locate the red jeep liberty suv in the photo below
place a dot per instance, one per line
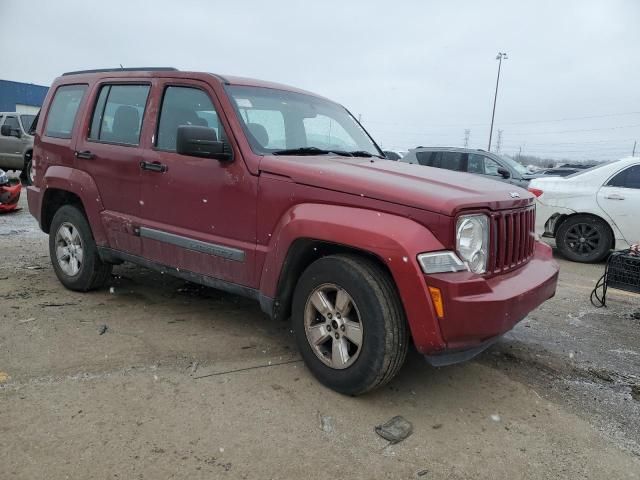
(280, 195)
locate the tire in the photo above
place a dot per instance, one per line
(584, 238)
(70, 229)
(26, 174)
(371, 302)
(28, 170)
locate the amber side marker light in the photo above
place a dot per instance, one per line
(438, 303)
(536, 191)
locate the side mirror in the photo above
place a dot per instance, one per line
(7, 131)
(197, 141)
(504, 173)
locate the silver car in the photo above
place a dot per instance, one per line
(16, 144)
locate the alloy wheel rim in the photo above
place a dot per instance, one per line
(31, 173)
(333, 326)
(69, 249)
(583, 239)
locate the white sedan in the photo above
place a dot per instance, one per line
(592, 211)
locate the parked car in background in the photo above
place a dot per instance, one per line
(394, 154)
(592, 211)
(480, 162)
(16, 143)
(194, 174)
(552, 172)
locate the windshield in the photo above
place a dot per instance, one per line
(283, 121)
(27, 120)
(515, 165)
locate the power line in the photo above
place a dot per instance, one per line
(522, 122)
(619, 127)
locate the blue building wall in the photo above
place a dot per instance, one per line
(12, 93)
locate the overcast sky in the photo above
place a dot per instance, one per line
(419, 72)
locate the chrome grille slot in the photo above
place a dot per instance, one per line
(513, 234)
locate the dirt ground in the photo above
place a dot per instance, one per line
(189, 382)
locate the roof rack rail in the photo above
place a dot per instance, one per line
(129, 69)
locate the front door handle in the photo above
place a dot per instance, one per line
(85, 155)
(153, 167)
(614, 196)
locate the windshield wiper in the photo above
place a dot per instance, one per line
(310, 151)
(320, 151)
(363, 153)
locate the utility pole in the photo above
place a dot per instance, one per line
(633, 154)
(499, 57)
(467, 134)
(499, 142)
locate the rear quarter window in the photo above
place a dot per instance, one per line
(63, 111)
(628, 178)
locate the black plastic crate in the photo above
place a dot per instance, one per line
(623, 272)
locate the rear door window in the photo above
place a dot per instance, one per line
(63, 111)
(453, 161)
(118, 114)
(428, 159)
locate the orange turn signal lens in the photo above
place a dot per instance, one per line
(438, 302)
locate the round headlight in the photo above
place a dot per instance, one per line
(472, 241)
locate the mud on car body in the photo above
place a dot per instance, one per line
(280, 195)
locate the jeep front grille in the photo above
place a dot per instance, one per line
(512, 238)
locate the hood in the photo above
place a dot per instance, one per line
(426, 188)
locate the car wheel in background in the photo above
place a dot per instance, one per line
(584, 238)
(28, 167)
(26, 174)
(73, 251)
(349, 323)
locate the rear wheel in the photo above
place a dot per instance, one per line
(73, 251)
(584, 238)
(349, 323)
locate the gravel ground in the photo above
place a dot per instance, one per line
(189, 382)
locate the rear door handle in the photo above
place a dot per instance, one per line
(614, 196)
(85, 155)
(153, 167)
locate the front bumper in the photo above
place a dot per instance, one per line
(479, 309)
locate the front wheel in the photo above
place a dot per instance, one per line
(27, 174)
(349, 323)
(73, 251)
(584, 238)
